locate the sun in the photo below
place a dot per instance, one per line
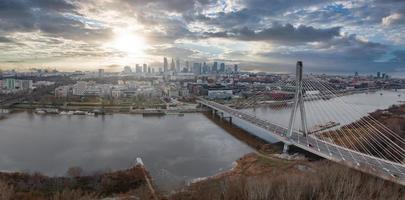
(129, 42)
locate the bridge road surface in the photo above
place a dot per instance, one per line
(379, 167)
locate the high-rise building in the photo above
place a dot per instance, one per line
(100, 73)
(138, 68)
(145, 68)
(235, 68)
(10, 84)
(187, 67)
(26, 84)
(149, 70)
(172, 65)
(222, 68)
(378, 74)
(178, 67)
(197, 68)
(214, 68)
(165, 65)
(205, 68)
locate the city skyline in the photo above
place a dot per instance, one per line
(257, 35)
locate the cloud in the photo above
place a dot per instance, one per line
(346, 53)
(57, 18)
(174, 52)
(280, 33)
(5, 40)
(392, 19)
(329, 35)
(399, 57)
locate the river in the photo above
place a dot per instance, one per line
(174, 149)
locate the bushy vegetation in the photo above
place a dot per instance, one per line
(37, 187)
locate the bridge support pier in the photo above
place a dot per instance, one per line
(214, 112)
(286, 148)
(229, 119)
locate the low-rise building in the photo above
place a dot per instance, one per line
(62, 91)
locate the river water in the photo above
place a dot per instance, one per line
(174, 149)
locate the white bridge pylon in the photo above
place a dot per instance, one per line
(298, 102)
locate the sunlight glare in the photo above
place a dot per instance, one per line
(130, 43)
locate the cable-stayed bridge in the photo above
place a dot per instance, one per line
(329, 128)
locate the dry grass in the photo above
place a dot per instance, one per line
(359, 136)
(6, 191)
(330, 181)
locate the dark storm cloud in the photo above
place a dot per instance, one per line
(281, 33)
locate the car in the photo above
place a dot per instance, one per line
(310, 145)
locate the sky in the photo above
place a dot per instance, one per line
(258, 35)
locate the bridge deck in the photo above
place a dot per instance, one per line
(367, 163)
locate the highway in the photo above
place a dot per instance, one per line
(379, 167)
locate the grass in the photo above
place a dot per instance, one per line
(325, 181)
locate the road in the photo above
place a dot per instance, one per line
(367, 163)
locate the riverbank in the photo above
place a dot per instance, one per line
(98, 108)
(392, 118)
(129, 183)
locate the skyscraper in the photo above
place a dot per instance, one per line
(165, 64)
(145, 68)
(172, 66)
(187, 67)
(138, 68)
(205, 68)
(222, 68)
(214, 68)
(178, 67)
(100, 73)
(235, 68)
(197, 68)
